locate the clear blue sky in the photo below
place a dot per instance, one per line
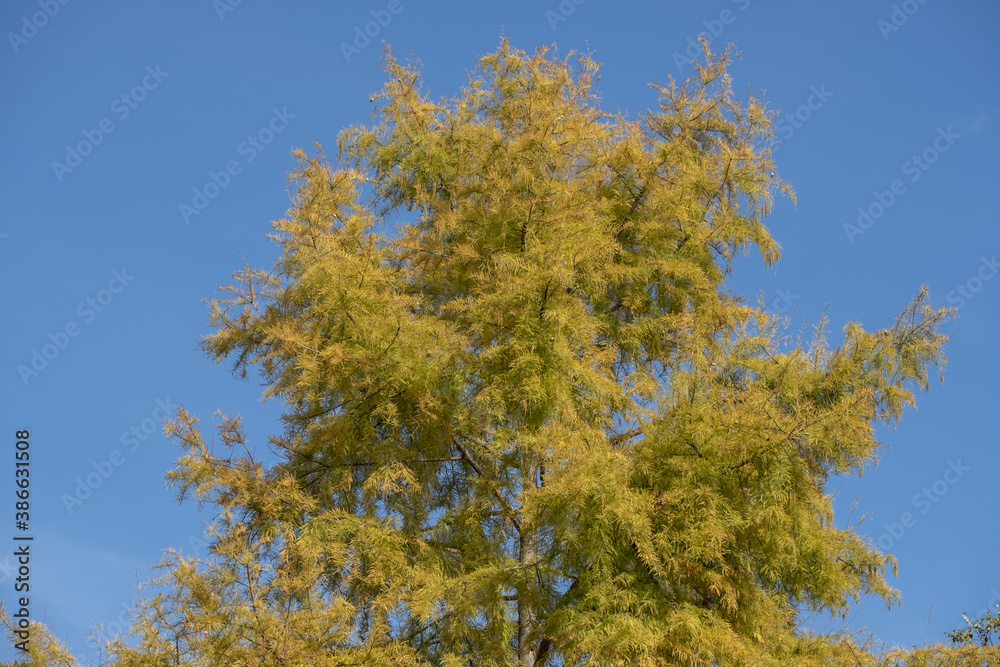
(153, 97)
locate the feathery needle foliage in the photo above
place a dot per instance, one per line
(525, 422)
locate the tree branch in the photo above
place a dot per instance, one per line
(479, 471)
(624, 437)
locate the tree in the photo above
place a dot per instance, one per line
(35, 643)
(530, 425)
(984, 631)
(971, 647)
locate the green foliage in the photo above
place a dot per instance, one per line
(983, 631)
(529, 424)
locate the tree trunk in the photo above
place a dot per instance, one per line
(526, 620)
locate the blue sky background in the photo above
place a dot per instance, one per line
(888, 92)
